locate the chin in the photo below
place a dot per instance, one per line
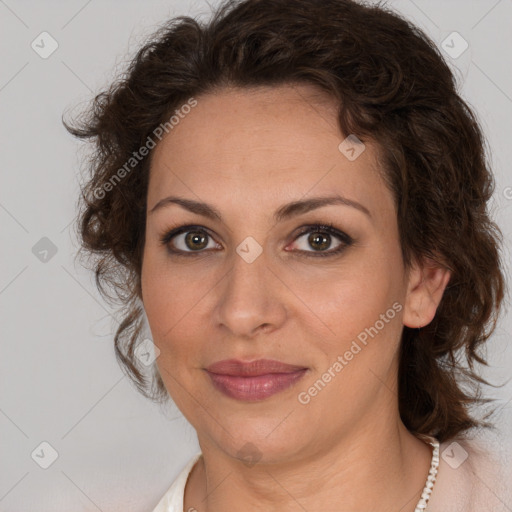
(260, 440)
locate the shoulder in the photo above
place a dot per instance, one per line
(172, 500)
(475, 473)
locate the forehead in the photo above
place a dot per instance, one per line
(264, 145)
(252, 116)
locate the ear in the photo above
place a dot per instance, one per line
(427, 281)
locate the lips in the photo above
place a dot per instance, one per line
(237, 368)
(255, 380)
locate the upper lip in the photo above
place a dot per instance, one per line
(238, 368)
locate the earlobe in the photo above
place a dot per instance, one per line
(426, 285)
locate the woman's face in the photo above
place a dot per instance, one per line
(253, 285)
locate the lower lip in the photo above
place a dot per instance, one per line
(255, 388)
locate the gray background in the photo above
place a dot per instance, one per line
(59, 380)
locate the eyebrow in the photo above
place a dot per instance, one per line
(284, 212)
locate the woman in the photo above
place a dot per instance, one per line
(294, 197)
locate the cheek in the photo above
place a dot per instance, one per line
(169, 316)
(164, 291)
(362, 304)
(356, 356)
(174, 304)
(159, 301)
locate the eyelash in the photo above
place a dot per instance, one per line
(328, 229)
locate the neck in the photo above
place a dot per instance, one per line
(381, 468)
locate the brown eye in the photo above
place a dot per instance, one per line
(196, 240)
(319, 241)
(320, 238)
(187, 240)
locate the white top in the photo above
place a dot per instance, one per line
(172, 501)
(473, 476)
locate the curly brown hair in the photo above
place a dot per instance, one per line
(391, 86)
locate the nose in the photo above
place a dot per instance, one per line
(251, 299)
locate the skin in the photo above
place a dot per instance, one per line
(248, 152)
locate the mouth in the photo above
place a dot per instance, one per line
(253, 381)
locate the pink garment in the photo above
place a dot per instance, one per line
(475, 475)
